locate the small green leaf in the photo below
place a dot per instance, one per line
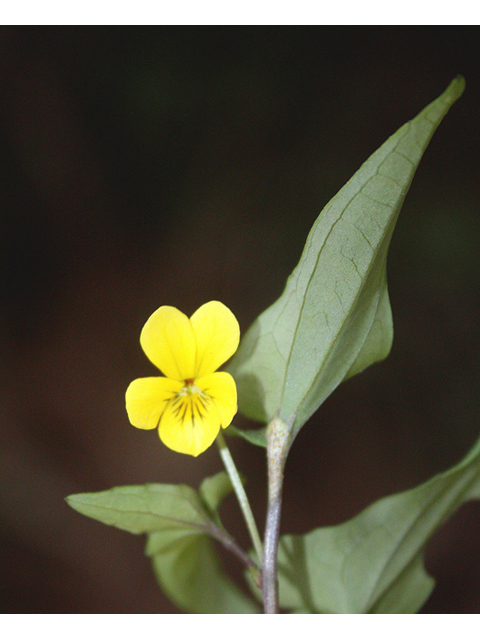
(333, 318)
(146, 508)
(213, 490)
(254, 436)
(189, 571)
(374, 562)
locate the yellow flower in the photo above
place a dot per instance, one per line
(193, 400)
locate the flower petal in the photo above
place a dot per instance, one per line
(222, 390)
(169, 342)
(217, 335)
(189, 424)
(146, 399)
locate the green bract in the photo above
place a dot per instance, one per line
(333, 318)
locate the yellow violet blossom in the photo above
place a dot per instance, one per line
(193, 400)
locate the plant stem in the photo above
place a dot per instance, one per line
(241, 495)
(277, 449)
(230, 543)
(269, 568)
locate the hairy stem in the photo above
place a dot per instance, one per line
(277, 449)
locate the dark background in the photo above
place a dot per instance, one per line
(149, 166)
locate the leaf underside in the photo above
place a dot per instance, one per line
(334, 318)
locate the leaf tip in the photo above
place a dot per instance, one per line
(456, 88)
(72, 501)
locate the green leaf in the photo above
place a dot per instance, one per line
(180, 522)
(374, 562)
(254, 436)
(213, 490)
(333, 318)
(189, 571)
(143, 509)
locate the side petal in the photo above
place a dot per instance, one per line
(169, 342)
(217, 336)
(189, 424)
(146, 399)
(220, 387)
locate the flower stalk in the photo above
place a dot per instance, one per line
(241, 495)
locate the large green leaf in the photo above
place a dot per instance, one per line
(374, 562)
(189, 571)
(333, 318)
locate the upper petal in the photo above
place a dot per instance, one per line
(217, 336)
(169, 342)
(146, 399)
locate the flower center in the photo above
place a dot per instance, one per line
(190, 388)
(190, 404)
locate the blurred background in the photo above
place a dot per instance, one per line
(150, 166)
